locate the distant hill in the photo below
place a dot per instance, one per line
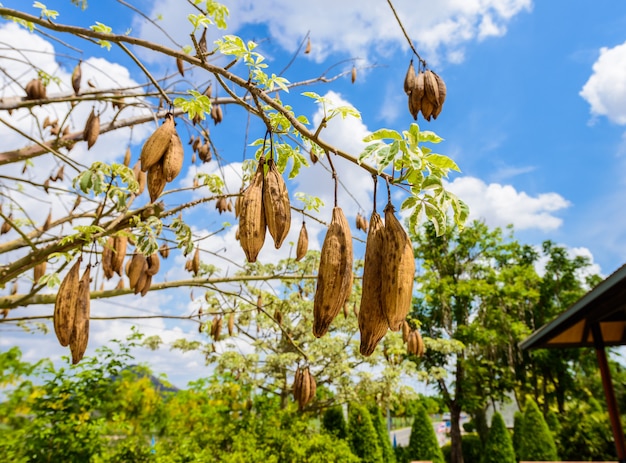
(142, 372)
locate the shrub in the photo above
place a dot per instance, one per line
(499, 446)
(518, 418)
(423, 443)
(383, 434)
(536, 442)
(334, 422)
(362, 435)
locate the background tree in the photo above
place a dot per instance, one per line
(499, 446)
(334, 422)
(383, 434)
(423, 443)
(535, 442)
(362, 435)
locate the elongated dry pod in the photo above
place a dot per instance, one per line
(431, 88)
(120, 243)
(334, 278)
(372, 319)
(252, 223)
(38, 271)
(107, 258)
(398, 270)
(92, 129)
(276, 204)
(303, 243)
(441, 85)
(156, 181)
(80, 332)
(409, 79)
(76, 77)
(157, 144)
(65, 304)
(173, 158)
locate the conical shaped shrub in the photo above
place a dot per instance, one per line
(536, 442)
(499, 445)
(423, 443)
(384, 440)
(362, 436)
(334, 422)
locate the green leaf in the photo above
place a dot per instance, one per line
(430, 137)
(442, 162)
(383, 134)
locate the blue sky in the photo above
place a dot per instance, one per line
(535, 114)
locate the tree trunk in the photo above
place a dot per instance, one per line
(456, 454)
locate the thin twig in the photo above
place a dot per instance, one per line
(408, 39)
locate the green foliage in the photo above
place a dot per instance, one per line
(499, 446)
(334, 422)
(383, 434)
(471, 448)
(536, 442)
(362, 435)
(518, 419)
(423, 443)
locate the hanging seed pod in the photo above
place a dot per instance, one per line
(417, 95)
(120, 284)
(66, 303)
(353, 74)
(60, 174)
(313, 157)
(76, 77)
(92, 129)
(180, 66)
(216, 114)
(156, 181)
(48, 222)
(195, 262)
(6, 225)
(204, 152)
(173, 158)
(164, 250)
(398, 270)
(307, 49)
(406, 330)
(441, 86)
(297, 384)
(141, 282)
(421, 348)
(202, 45)
(189, 265)
(35, 90)
(259, 303)
(208, 90)
(334, 279)
(278, 316)
(409, 79)
(305, 389)
(153, 264)
(136, 269)
(38, 271)
(372, 320)
(252, 216)
(120, 243)
(231, 323)
(238, 201)
(221, 204)
(431, 88)
(80, 332)
(303, 243)
(276, 205)
(107, 258)
(216, 328)
(46, 122)
(127, 157)
(146, 285)
(157, 144)
(193, 157)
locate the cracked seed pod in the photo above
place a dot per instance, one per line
(195, 145)
(231, 323)
(411, 344)
(216, 114)
(276, 205)
(92, 129)
(38, 271)
(398, 270)
(120, 243)
(157, 144)
(127, 157)
(297, 384)
(173, 158)
(406, 330)
(409, 79)
(180, 66)
(431, 88)
(372, 320)
(421, 348)
(136, 269)
(153, 264)
(195, 262)
(303, 243)
(164, 251)
(204, 152)
(156, 181)
(252, 216)
(76, 77)
(107, 258)
(216, 328)
(65, 304)
(334, 278)
(80, 331)
(146, 285)
(441, 85)
(221, 204)
(417, 95)
(35, 90)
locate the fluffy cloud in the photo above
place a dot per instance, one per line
(605, 91)
(501, 205)
(338, 27)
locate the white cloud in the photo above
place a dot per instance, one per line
(354, 29)
(605, 91)
(501, 205)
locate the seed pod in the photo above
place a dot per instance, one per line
(141, 282)
(127, 157)
(164, 250)
(252, 216)
(420, 344)
(307, 50)
(372, 320)
(92, 129)
(66, 303)
(406, 330)
(259, 303)
(238, 204)
(140, 176)
(153, 264)
(417, 95)
(195, 262)
(313, 157)
(157, 144)
(216, 114)
(411, 344)
(180, 66)
(305, 389)
(231, 323)
(216, 328)
(76, 76)
(120, 243)
(35, 90)
(156, 181)
(6, 225)
(107, 258)
(353, 74)
(297, 384)
(38, 271)
(398, 270)
(278, 316)
(60, 174)
(409, 79)
(221, 204)
(442, 95)
(427, 108)
(303, 243)
(276, 205)
(312, 387)
(204, 152)
(120, 284)
(173, 158)
(334, 279)
(80, 332)
(137, 268)
(48, 222)
(146, 285)
(431, 88)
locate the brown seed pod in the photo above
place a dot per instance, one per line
(146, 285)
(164, 250)
(406, 330)
(76, 77)
(127, 157)
(153, 264)
(66, 303)
(6, 225)
(417, 95)
(80, 332)
(307, 49)
(35, 90)
(173, 158)
(92, 129)
(60, 174)
(38, 271)
(157, 144)
(231, 323)
(372, 320)
(140, 176)
(216, 114)
(313, 157)
(156, 181)
(303, 243)
(276, 205)
(252, 216)
(431, 88)
(398, 270)
(411, 343)
(180, 66)
(136, 269)
(204, 152)
(427, 108)
(442, 95)
(297, 384)
(305, 389)
(353, 74)
(409, 79)
(421, 349)
(120, 284)
(312, 387)
(107, 258)
(48, 222)
(120, 243)
(278, 316)
(216, 328)
(221, 204)
(259, 303)
(141, 282)
(334, 279)
(195, 262)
